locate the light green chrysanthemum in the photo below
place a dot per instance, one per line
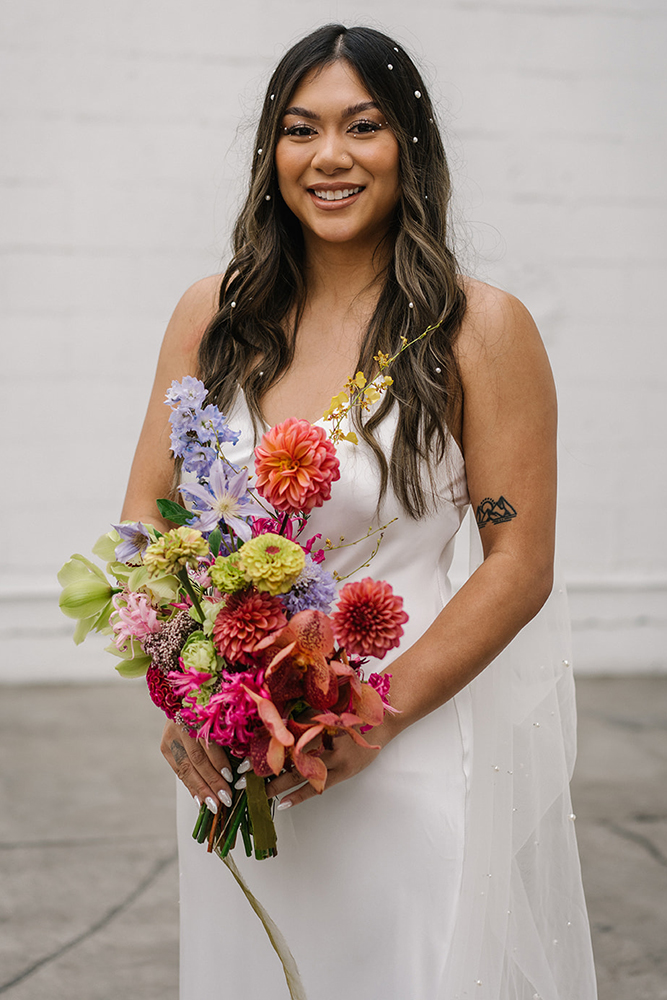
(226, 574)
(272, 562)
(179, 548)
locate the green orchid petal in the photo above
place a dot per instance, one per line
(85, 598)
(162, 588)
(77, 568)
(83, 627)
(105, 546)
(121, 571)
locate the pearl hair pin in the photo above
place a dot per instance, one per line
(259, 151)
(415, 139)
(272, 96)
(389, 66)
(418, 93)
(438, 370)
(267, 197)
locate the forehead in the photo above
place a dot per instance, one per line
(330, 88)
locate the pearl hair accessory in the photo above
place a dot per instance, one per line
(418, 93)
(411, 305)
(259, 151)
(272, 96)
(389, 66)
(415, 139)
(232, 305)
(267, 197)
(438, 370)
(395, 49)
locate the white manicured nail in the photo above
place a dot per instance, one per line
(225, 797)
(285, 804)
(240, 784)
(226, 773)
(211, 803)
(245, 766)
(198, 801)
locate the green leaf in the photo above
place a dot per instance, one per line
(214, 541)
(134, 668)
(171, 511)
(78, 568)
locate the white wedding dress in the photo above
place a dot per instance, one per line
(448, 868)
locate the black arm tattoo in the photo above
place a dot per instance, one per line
(494, 512)
(178, 751)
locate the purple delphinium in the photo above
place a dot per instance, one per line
(134, 540)
(223, 499)
(188, 392)
(196, 430)
(315, 589)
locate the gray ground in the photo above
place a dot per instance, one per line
(88, 908)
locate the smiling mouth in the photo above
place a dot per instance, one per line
(335, 195)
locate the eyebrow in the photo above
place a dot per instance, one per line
(353, 109)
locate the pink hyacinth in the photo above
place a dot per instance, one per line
(369, 618)
(135, 618)
(295, 465)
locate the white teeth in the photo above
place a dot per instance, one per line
(336, 195)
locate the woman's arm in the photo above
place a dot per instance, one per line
(204, 769)
(509, 443)
(152, 469)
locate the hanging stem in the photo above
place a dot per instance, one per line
(185, 580)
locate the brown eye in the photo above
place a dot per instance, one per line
(299, 131)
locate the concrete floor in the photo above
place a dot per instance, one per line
(88, 909)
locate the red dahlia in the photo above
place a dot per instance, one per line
(368, 618)
(246, 618)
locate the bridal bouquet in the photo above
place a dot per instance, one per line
(230, 614)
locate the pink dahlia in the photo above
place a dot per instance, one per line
(161, 692)
(368, 618)
(295, 465)
(246, 618)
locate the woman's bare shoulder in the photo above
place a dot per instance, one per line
(193, 313)
(495, 322)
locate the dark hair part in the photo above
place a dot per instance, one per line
(264, 283)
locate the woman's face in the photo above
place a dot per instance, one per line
(337, 160)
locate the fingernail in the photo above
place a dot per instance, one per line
(240, 784)
(225, 797)
(198, 801)
(245, 766)
(285, 804)
(226, 773)
(211, 803)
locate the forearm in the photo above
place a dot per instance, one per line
(481, 619)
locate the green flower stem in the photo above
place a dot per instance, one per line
(284, 524)
(204, 827)
(200, 819)
(185, 580)
(230, 828)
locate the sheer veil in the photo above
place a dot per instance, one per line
(522, 930)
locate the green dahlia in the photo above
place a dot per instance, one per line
(272, 562)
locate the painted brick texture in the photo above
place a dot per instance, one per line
(127, 132)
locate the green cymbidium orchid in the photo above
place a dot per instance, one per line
(86, 596)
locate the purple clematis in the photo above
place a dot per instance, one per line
(134, 539)
(224, 499)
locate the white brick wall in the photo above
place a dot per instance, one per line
(126, 129)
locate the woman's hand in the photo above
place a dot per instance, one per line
(345, 760)
(203, 768)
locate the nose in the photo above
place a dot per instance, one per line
(330, 153)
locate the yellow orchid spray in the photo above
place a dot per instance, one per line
(358, 391)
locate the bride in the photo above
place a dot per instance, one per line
(442, 865)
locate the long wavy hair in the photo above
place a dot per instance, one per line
(250, 341)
